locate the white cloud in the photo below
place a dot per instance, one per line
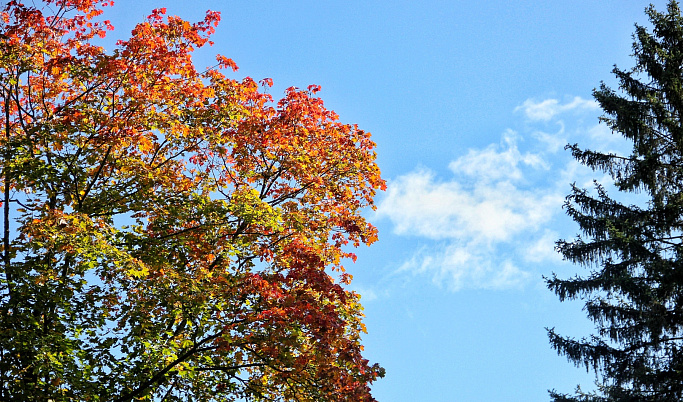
(543, 248)
(492, 208)
(491, 164)
(490, 223)
(603, 139)
(367, 294)
(475, 219)
(509, 277)
(601, 133)
(554, 142)
(494, 221)
(547, 109)
(457, 266)
(419, 205)
(477, 223)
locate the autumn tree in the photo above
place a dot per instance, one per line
(634, 253)
(170, 233)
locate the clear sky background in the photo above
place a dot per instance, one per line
(471, 104)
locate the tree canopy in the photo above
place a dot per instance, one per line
(170, 233)
(634, 253)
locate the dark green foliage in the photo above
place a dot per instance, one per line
(634, 254)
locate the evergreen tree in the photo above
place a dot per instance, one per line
(634, 254)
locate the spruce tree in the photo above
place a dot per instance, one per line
(633, 288)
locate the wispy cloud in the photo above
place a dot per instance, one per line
(367, 294)
(457, 266)
(497, 162)
(542, 248)
(490, 221)
(547, 109)
(419, 204)
(554, 142)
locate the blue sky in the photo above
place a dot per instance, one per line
(471, 104)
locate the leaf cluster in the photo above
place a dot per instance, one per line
(168, 233)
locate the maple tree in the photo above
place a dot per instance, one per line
(170, 233)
